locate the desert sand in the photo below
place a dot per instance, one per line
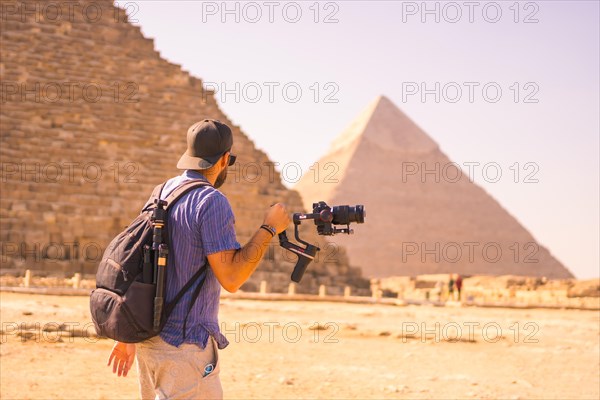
(291, 349)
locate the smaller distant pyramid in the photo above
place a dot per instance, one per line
(418, 224)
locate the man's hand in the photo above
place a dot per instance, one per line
(124, 355)
(277, 217)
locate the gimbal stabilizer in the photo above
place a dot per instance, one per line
(324, 217)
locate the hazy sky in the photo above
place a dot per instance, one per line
(515, 83)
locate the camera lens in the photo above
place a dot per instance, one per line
(343, 215)
(359, 214)
(356, 214)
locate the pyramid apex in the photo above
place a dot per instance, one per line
(380, 101)
(385, 125)
(382, 98)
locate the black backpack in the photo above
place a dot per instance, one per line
(122, 305)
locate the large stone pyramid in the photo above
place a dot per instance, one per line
(415, 224)
(92, 118)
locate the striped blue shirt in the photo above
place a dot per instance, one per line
(199, 224)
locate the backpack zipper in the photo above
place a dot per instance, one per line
(118, 267)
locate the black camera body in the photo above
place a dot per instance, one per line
(325, 218)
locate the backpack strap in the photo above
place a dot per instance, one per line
(155, 195)
(194, 298)
(171, 305)
(182, 189)
(176, 194)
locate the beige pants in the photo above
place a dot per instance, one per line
(169, 372)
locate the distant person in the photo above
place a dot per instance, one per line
(439, 288)
(182, 361)
(451, 288)
(459, 281)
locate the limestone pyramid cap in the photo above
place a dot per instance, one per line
(382, 123)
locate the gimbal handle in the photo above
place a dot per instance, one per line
(305, 254)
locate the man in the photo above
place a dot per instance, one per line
(178, 363)
(451, 288)
(459, 282)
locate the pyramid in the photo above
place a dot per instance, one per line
(77, 167)
(418, 223)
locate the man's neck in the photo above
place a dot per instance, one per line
(194, 174)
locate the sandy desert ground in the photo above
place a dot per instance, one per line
(290, 350)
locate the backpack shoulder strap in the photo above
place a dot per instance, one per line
(155, 195)
(175, 194)
(171, 305)
(194, 298)
(184, 188)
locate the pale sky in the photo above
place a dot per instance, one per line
(543, 56)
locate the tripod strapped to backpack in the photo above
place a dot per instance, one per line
(160, 249)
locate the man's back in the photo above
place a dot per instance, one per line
(201, 223)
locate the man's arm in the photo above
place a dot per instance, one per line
(233, 267)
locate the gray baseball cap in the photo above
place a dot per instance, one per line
(207, 141)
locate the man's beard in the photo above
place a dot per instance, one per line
(221, 179)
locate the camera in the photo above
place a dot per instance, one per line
(325, 218)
